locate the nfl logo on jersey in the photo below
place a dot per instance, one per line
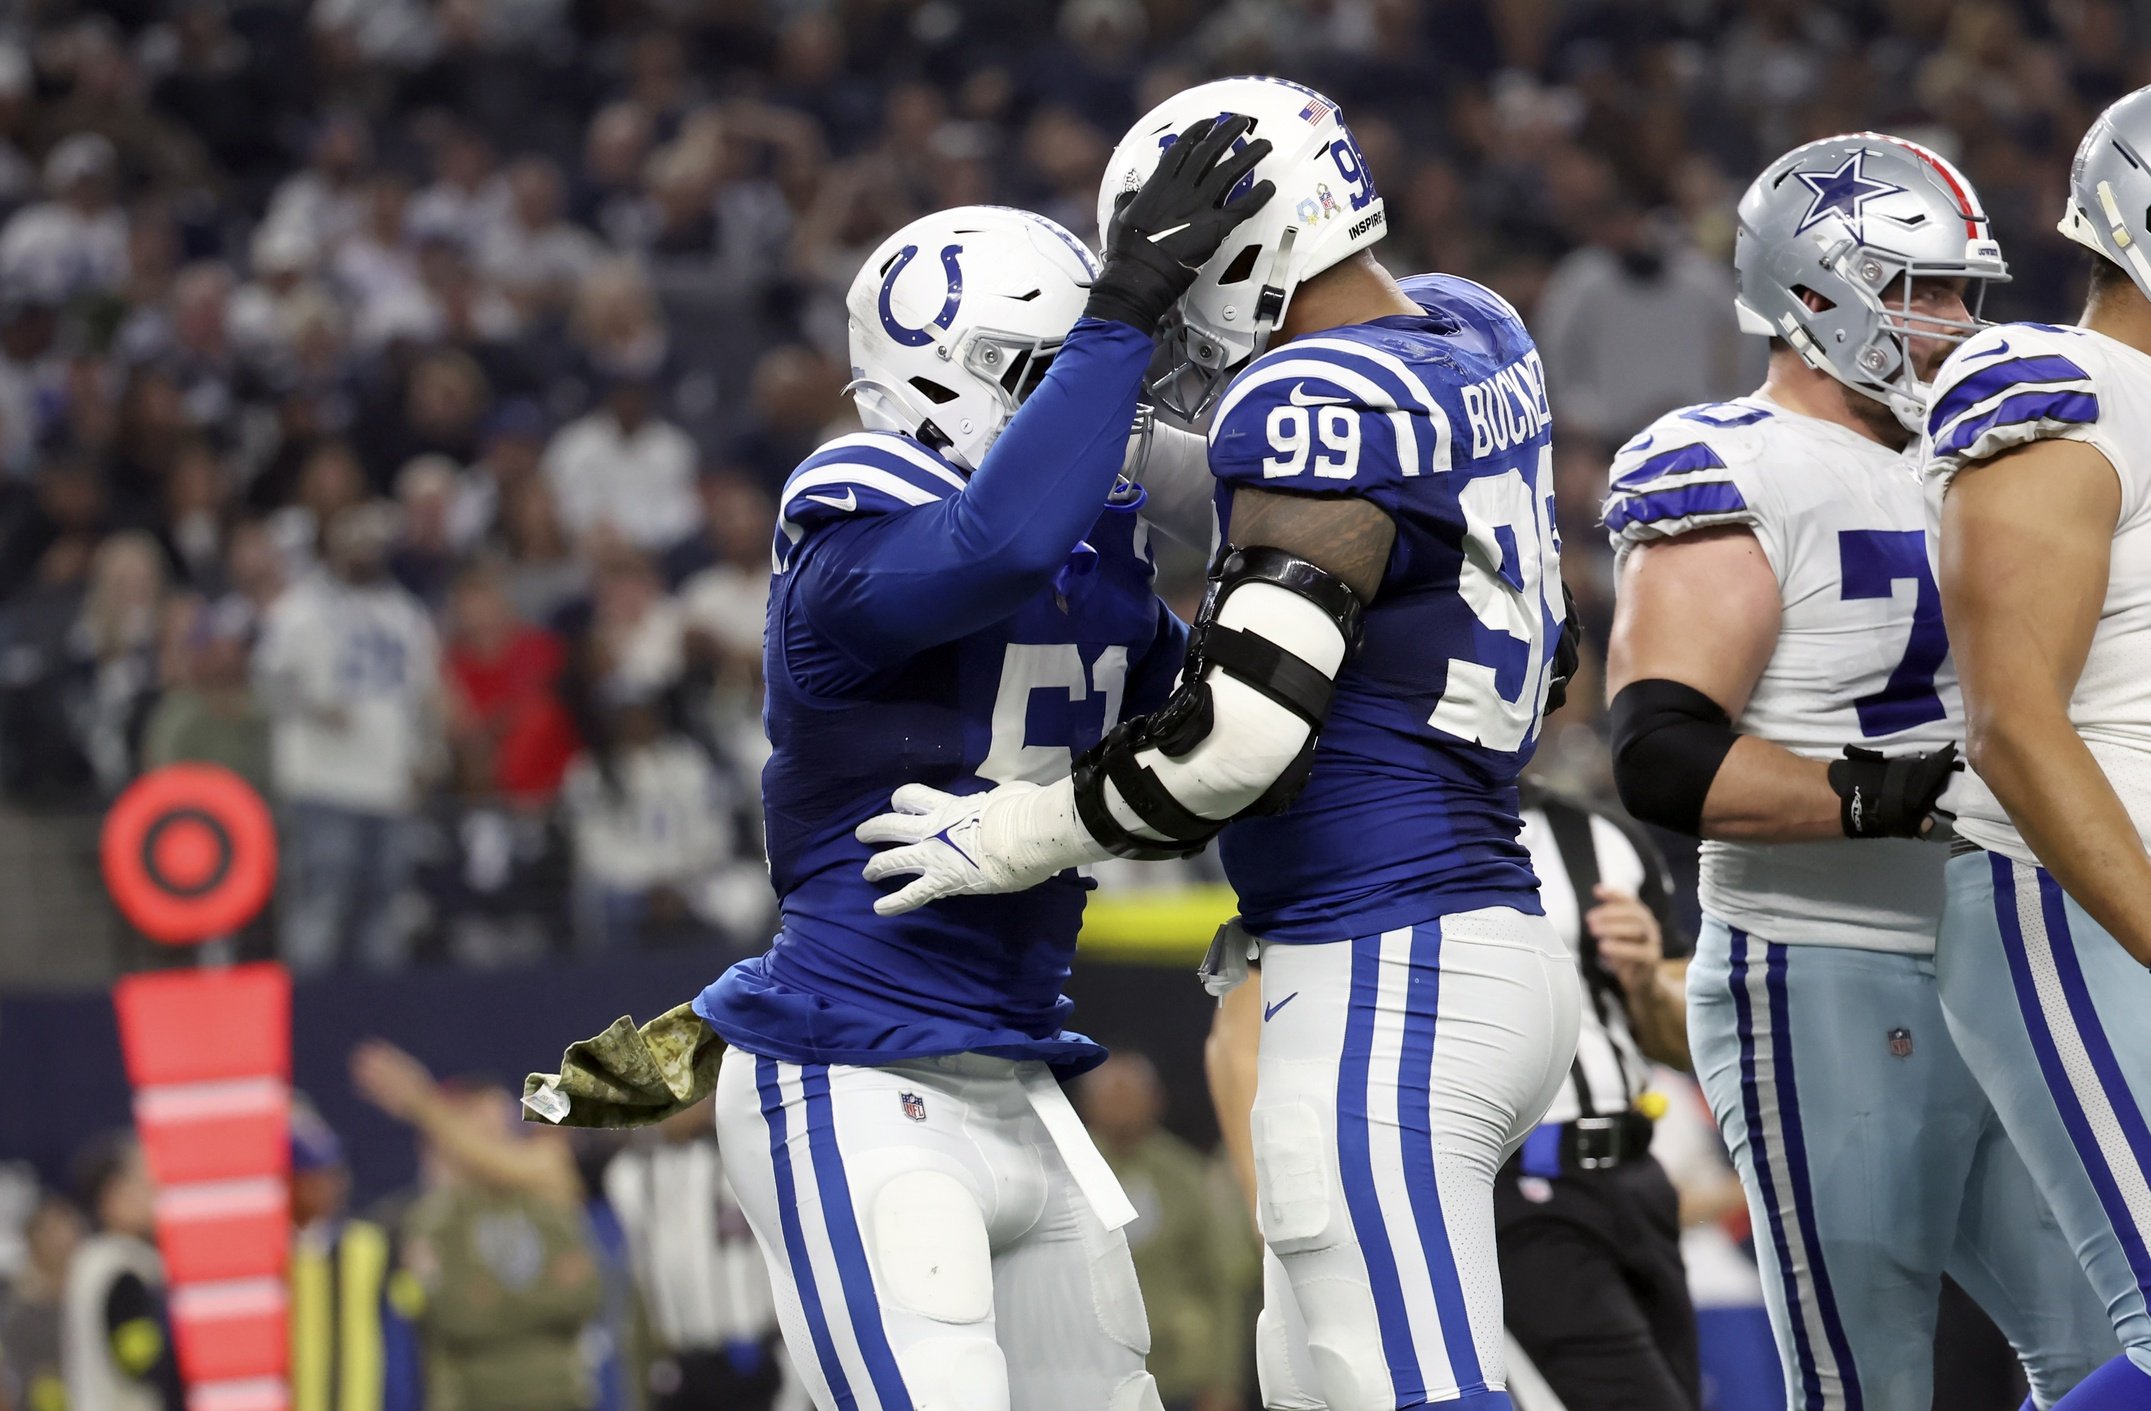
(914, 1107)
(1901, 1043)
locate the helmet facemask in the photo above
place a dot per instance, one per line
(1195, 363)
(1868, 346)
(1005, 369)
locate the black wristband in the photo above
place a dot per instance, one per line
(1138, 286)
(1884, 796)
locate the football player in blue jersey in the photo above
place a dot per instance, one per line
(1363, 687)
(962, 592)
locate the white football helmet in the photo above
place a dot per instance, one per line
(2109, 208)
(1855, 219)
(955, 318)
(1326, 207)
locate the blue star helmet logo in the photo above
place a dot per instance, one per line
(1844, 192)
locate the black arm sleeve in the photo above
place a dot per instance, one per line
(1668, 742)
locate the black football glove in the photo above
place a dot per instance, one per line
(1162, 234)
(1889, 796)
(1568, 654)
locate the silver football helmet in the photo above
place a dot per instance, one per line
(1856, 219)
(2109, 208)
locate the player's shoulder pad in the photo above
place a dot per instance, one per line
(1333, 413)
(865, 473)
(2007, 386)
(1477, 311)
(1684, 472)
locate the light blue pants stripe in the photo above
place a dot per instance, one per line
(1874, 1165)
(2054, 1018)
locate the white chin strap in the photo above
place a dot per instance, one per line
(2078, 225)
(1910, 408)
(881, 407)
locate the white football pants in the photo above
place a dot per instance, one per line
(929, 1243)
(1397, 1073)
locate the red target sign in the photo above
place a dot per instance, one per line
(189, 853)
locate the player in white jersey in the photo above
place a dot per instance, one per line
(2038, 457)
(1782, 688)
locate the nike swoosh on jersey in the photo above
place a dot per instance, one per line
(849, 503)
(1994, 352)
(1269, 1011)
(1300, 398)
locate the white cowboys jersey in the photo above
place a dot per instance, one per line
(2017, 383)
(1861, 659)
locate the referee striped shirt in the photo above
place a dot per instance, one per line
(703, 1282)
(1573, 849)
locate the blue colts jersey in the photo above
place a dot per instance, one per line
(862, 698)
(1441, 420)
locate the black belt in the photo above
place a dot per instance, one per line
(1961, 846)
(1586, 1144)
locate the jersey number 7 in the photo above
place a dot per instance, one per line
(1871, 563)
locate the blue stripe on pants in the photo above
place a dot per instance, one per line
(795, 1240)
(2093, 1036)
(842, 1223)
(1751, 1107)
(1415, 1131)
(1833, 1327)
(1357, 1169)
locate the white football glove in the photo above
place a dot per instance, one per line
(1009, 838)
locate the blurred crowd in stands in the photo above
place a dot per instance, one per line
(541, 1269)
(392, 392)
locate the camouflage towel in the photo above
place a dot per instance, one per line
(629, 1077)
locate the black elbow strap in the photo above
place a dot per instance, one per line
(1668, 743)
(1185, 719)
(1112, 760)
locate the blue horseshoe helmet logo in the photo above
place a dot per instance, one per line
(920, 337)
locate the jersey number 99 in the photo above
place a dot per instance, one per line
(1511, 581)
(1294, 431)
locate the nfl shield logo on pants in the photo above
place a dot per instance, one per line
(1901, 1043)
(914, 1107)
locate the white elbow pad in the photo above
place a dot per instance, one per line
(1237, 736)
